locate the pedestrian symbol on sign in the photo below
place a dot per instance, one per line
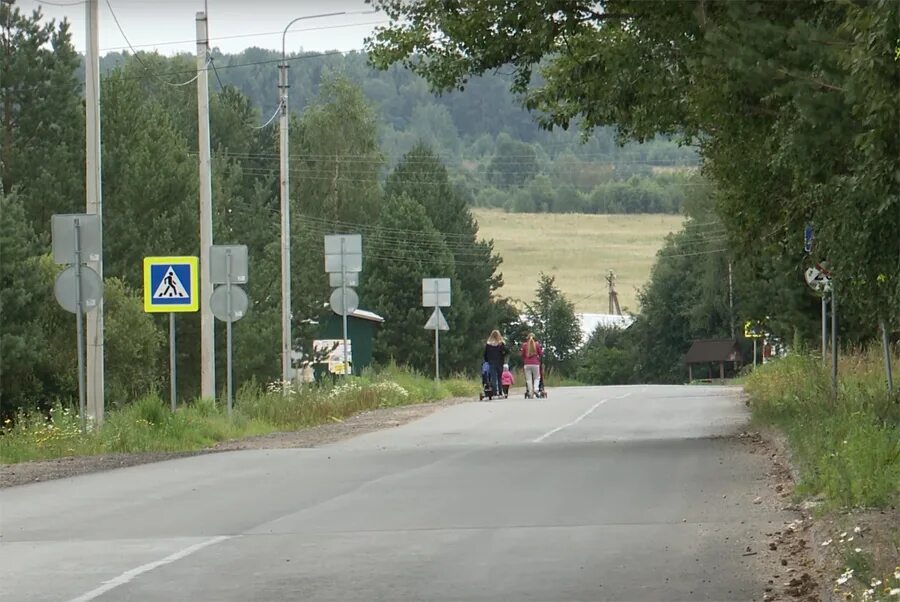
(171, 284)
(170, 287)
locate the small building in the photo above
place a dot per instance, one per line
(724, 352)
(362, 326)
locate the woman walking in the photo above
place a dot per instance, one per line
(495, 353)
(531, 358)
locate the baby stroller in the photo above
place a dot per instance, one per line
(487, 389)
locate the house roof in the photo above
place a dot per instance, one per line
(713, 350)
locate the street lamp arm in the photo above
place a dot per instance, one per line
(284, 35)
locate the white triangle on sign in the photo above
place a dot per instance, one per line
(170, 287)
(437, 321)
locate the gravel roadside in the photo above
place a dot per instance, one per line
(22, 473)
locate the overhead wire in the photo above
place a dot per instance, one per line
(140, 60)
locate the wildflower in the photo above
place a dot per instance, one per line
(875, 582)
(7, 421)
(827, 542)
(857, 550)
(845, 577)
(844, 534)
(897, 573)
(857, 530)
(894, 592)
(849, 539)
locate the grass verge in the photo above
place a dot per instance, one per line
(148, 425)
(846, 446)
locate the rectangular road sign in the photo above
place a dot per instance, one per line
(171, 284)
(62, 227)
(435, 292)
(218, 264)
(352, 256)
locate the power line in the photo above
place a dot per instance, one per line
(243, 35)
(143, 64)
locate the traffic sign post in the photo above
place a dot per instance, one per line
(229, 266)
(436, 294)
(753, 331)
(172, 285)
(343, 262)
(78, 289)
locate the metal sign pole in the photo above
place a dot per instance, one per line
(834, 343)
(228, 391)
(886, 344)
(824, 326)
(79, 328)
(344, 308)
(754, 352)
(172, 358)
(437, 338)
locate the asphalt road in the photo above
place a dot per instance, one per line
(613, 493)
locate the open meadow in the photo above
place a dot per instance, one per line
(579, 250)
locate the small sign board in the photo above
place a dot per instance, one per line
(62, 228)
(171, 284)
(435, 292)
(225, 295)
(437, 321)
(331, 352)
(218, 264)
(753, 330)
(808, 237)
(343, 252)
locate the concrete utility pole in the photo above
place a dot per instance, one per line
(207, 321)
(284, 155)
(94, 358)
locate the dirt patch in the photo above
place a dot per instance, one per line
(811, 558)
(365, 422)
(786, 557)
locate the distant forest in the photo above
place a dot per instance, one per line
(495, 152)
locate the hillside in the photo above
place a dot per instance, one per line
(579, 250)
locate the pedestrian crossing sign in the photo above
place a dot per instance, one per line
(171, 284)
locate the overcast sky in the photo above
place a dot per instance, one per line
(169, 25)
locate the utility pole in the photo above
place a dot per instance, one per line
(207, 322)
(94, 357)
(614, 308)
(284, 156)
(286, 346)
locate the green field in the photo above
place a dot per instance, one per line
(578, 250)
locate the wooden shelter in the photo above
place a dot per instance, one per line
(714, 351)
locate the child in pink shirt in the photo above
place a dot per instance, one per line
(506, 379)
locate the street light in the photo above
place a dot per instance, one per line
(286, 346)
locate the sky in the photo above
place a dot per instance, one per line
(168, 26)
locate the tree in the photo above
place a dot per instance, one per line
(42, 154)
(513, 164)
(22, 341)
(793, 105)
(552, 319)
(392, 281)
(422, 177)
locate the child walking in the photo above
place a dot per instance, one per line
(507, 380)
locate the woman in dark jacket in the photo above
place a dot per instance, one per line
(495, 353)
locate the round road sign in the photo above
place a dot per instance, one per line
(344, 303)
(66, 292)
(218, 302)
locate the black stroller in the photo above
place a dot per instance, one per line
(487, 389)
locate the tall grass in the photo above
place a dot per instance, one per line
(148, 425)
(846, 444)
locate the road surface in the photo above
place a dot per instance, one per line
(597, 493)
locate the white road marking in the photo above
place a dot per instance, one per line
(129, 575)
(577, 420)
